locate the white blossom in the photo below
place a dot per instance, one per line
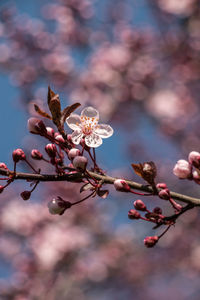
(86, 126)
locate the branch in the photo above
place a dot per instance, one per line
(103, 178)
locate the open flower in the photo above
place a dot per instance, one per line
(86, 126)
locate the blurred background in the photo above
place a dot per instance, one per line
(138, 63)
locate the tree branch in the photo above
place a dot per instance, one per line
(103, 178)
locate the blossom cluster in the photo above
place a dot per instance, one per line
(189, 169)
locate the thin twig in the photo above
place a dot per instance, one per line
(106, 180)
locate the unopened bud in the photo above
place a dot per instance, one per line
(164, 194)
(59, 138)
(58, 206)
(51, 150)
(25, 195)
(50, 131)
(196, 176)
(157, 210)
(36, 126)
(73, 153)
(139, 205)
(150, 241)
(161, 185)
(1, 188)
(121, 185)
(182, 169)
(194, 158)
(18, 155)
(3, 166)
(35, 154)
(133, 214)
(80, 163)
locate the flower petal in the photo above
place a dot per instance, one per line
(74, 122)
(104, 130)
(93, 140)
(77, 136)
(90, 112)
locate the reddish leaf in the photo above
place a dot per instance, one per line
(147, 171)
(68, 110)
(54, 107)
(41, 112)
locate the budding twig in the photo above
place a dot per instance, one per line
(106, 179)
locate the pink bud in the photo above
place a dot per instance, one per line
(36, 126)
(157, 210)
(50, 131)
(51, 150)
(194, 158)
(58, 206)
(59, 138)
(3, 166)
(80, 163)
(121, 185)
(161, 185)
(35, 154)
(25, 195)
(150, 241)
(73, 153)
(182, 169)
(133, 214)
(196, 176)
(164, 194)
(1, 188)
(18, 155)
(139, 205)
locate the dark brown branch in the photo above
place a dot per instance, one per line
(105, 179)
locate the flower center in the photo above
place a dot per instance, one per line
(88, 124)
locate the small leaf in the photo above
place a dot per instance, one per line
(137, 169)
(67, 111)
(41, 112)
(54, 106)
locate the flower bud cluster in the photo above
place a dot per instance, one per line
(155, 216)
(190, 169)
